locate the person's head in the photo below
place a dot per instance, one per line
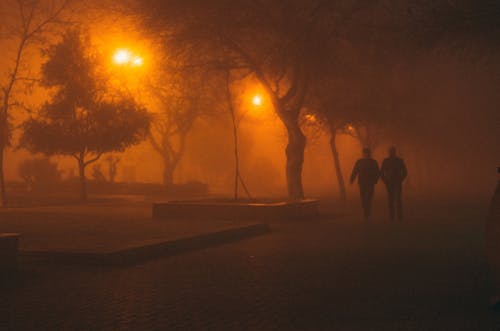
(367, 153)
(392, 151)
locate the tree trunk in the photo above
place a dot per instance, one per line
(3, 194)
(83, 180)
(294, 159)
(112, 176)
(235, 135)
(112, 163)
(336, 162)
(168, 173)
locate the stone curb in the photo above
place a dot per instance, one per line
(147, 252)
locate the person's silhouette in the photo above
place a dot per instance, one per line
(393, 173)
(367, 171)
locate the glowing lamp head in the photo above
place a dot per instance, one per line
(121, 56)
(124, 57)
(257, 101)
(137, 61)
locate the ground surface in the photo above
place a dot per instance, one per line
(98, 227)
(337, 273)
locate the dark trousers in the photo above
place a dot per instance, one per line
(394, 192)
(366, 192)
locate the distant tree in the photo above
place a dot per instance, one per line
(97, 174)
(183, 98)
(39, 173)
(351, 94)
(24, 25)
(329, 103)
(112, 162)
(273, 42)
(83, 119)
(284, 45)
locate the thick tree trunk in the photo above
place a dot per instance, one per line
(83, 180)
(336, 162)
(3, 194)
(288, 107)
(294, 159)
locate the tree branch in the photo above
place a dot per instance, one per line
(98, 156)
(155, 144)
(48, 20)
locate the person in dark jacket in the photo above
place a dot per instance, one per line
(367, 172)
(393, 173)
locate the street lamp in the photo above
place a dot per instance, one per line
(257, 100)
(124, 56)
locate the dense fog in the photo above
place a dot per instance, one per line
(438, 105)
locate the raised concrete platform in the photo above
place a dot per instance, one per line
(149, 249)
(212, 209)
(112, 233)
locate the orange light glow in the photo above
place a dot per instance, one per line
(257, 100)
(137, 61)
(310, 118)
(121, 56)
(125, 57)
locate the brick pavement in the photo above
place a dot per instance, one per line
(335, 274)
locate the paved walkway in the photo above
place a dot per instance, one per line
(333, 274)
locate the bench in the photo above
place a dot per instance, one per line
(9, 244)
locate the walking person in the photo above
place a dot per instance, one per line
(366, 170)
(393, 173)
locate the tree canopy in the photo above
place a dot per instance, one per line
(84, 118)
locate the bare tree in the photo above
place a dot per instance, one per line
(27, 22)
(183, 99)
(274, 42)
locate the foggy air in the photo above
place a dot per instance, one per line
(325, 139)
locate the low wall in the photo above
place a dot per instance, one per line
(285, 210)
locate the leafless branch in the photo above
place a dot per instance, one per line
(96, 158)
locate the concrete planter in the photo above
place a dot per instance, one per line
(207, 209)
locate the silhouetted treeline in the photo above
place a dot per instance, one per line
(423, 75)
